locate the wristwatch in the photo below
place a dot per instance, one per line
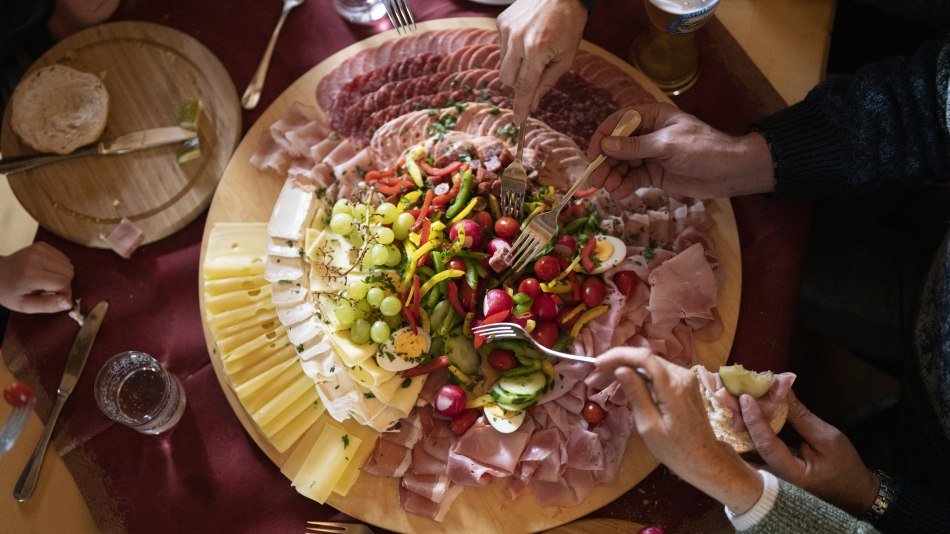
(885, 496)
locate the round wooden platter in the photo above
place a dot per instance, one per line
(148, 69)
(247, 194)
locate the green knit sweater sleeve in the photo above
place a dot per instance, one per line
(796, 510)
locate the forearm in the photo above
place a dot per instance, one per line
(795, 510)
(885, 128)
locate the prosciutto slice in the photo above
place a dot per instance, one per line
(683, 287)
(125, 238)
(482, 453)
(770, 402)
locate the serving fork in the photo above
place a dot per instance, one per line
(514, 181)
(400, 15)
(253, 92)
(495, 331)
(337, 528)
(542, 228)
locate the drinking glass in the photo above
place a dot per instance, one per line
(365, 12)
(132, 388)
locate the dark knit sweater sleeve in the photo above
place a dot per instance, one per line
(886, 128)
(916, 510)
(795, 510)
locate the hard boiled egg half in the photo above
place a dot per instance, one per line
(404, 350)
(502, 420)
(608, 253)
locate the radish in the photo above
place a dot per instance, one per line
(473, 233)
(450, 400)
(497, 244)
(496, 300)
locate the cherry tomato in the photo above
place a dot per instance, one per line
(566, 325)
(463, 421)
(456, 263)
(467, 296)
(565, 246)
(593, 292)
(483, 218)
(545, 333)
(547, 268)
(593, 413)
(18, 394)
(502, 360)
(530, 286)
(626, 282)
(544, 307)
(507, 227)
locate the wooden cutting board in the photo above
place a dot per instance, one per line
(487, 509)
(147, 69)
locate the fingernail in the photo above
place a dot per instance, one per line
(611, 144)
(65, 305)
(745, 401)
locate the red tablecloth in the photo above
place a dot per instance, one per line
(207, 474)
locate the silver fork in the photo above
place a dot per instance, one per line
(253, 92)
(337, 528)
(15, 423)
(495, 331)
(514, 181)
(400, 15)
(543, 227)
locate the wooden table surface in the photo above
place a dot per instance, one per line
(787, 39)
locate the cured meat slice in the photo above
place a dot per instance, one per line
(420, 505)
(770, 402)
(125, 238)
(432, 487)
(388, 459)
(683, 287)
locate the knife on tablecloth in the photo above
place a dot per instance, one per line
(74, 365)
(120, 145)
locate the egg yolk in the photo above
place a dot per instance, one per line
(603, 250)
(409, 345)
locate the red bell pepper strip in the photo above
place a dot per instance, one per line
(584, 193)
(433, 171)
(423, 239)
(392, 185)
(452, 292)
(424, 210)
(409, 318)
(575, 285)
(572, 212)
(498, 317)
(431, 367)
(586, 260)
(449, 195)
(372, 176)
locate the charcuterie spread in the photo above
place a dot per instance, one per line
(386, 247)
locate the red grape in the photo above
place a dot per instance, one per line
(507, 227)
(626, 282)
(456, 263)
(593, 413)
(545, 333)
(530, 286)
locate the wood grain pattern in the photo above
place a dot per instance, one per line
(148, 69)
(598, 526)
(374, 499)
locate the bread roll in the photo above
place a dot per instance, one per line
(59, 109)
(721, 419)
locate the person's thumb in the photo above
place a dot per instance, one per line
(808, 425)
(631, 148)
(43, 303)
(770, 448)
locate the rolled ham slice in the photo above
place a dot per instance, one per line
(125, 238)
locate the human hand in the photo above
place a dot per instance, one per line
(670, 417)
(36, 279)
(826, 464)
(677, 152)
(538, 41)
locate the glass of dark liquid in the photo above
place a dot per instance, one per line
(132, 388)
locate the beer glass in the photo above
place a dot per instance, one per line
(132, 388)
(667, 51)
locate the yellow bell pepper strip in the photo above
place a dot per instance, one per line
(412, 167)
(407, 200)
(573, 313)
(444, 275)
(465, 211)
(587, 317)
(559, 286)
(529, 325)
(463, 378)
(479, 402)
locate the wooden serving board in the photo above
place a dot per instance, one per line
(147, 69)
(374, 499)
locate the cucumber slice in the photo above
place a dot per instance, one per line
(522, 370)
(462, 354)
(738, 380)
(531, 385)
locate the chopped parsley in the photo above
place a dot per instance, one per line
(369, 395)
(510, 131)
(299, 347)
(332, 369)
(649, 253)
(334, 137)
(346, 440)
(285, 282)
(484, 96)
(494, 111)
(289, 244)
(406, 383)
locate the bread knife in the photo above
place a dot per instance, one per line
(120, 145)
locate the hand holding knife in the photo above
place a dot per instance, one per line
(120, 145)
(74, 366)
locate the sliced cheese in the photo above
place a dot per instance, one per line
(328, 459)
(359, 458)
(235, 250)
(350, 353)
(288, 435)
(227, 285)
(278, 269)
(257, 391)
(237, 299)
(282, 400)
(302, 449)
(292, 212)
(251, 347)
(369, 374)
(243, 369)
(308, 401)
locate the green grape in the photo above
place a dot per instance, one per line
(345, 314)
(359, 212)
(368, 262)
(355, 239)
(384, 235)
(379, 254)
(363, 309)
(375, 296)
(386, 212)
(395, 257)
(380, 332)
(342, 206)
(342, 223)
(390, 306)
(402, 226)
(357, 289)
(360, 332)
(394, 321)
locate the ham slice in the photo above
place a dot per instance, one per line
(482, 453)
(420, 505)
(125, 238)
(388, 459)
(432, 487)
(683, 287)
(770, 402)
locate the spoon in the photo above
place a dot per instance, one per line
(253, 92)
(20, 396)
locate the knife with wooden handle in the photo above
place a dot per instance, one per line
(74, 365)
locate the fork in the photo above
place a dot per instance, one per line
(542, 228)
(400, 15)
(514, 181)
(15, 423)
(337, 528)
(495, 331)
(253, 92)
